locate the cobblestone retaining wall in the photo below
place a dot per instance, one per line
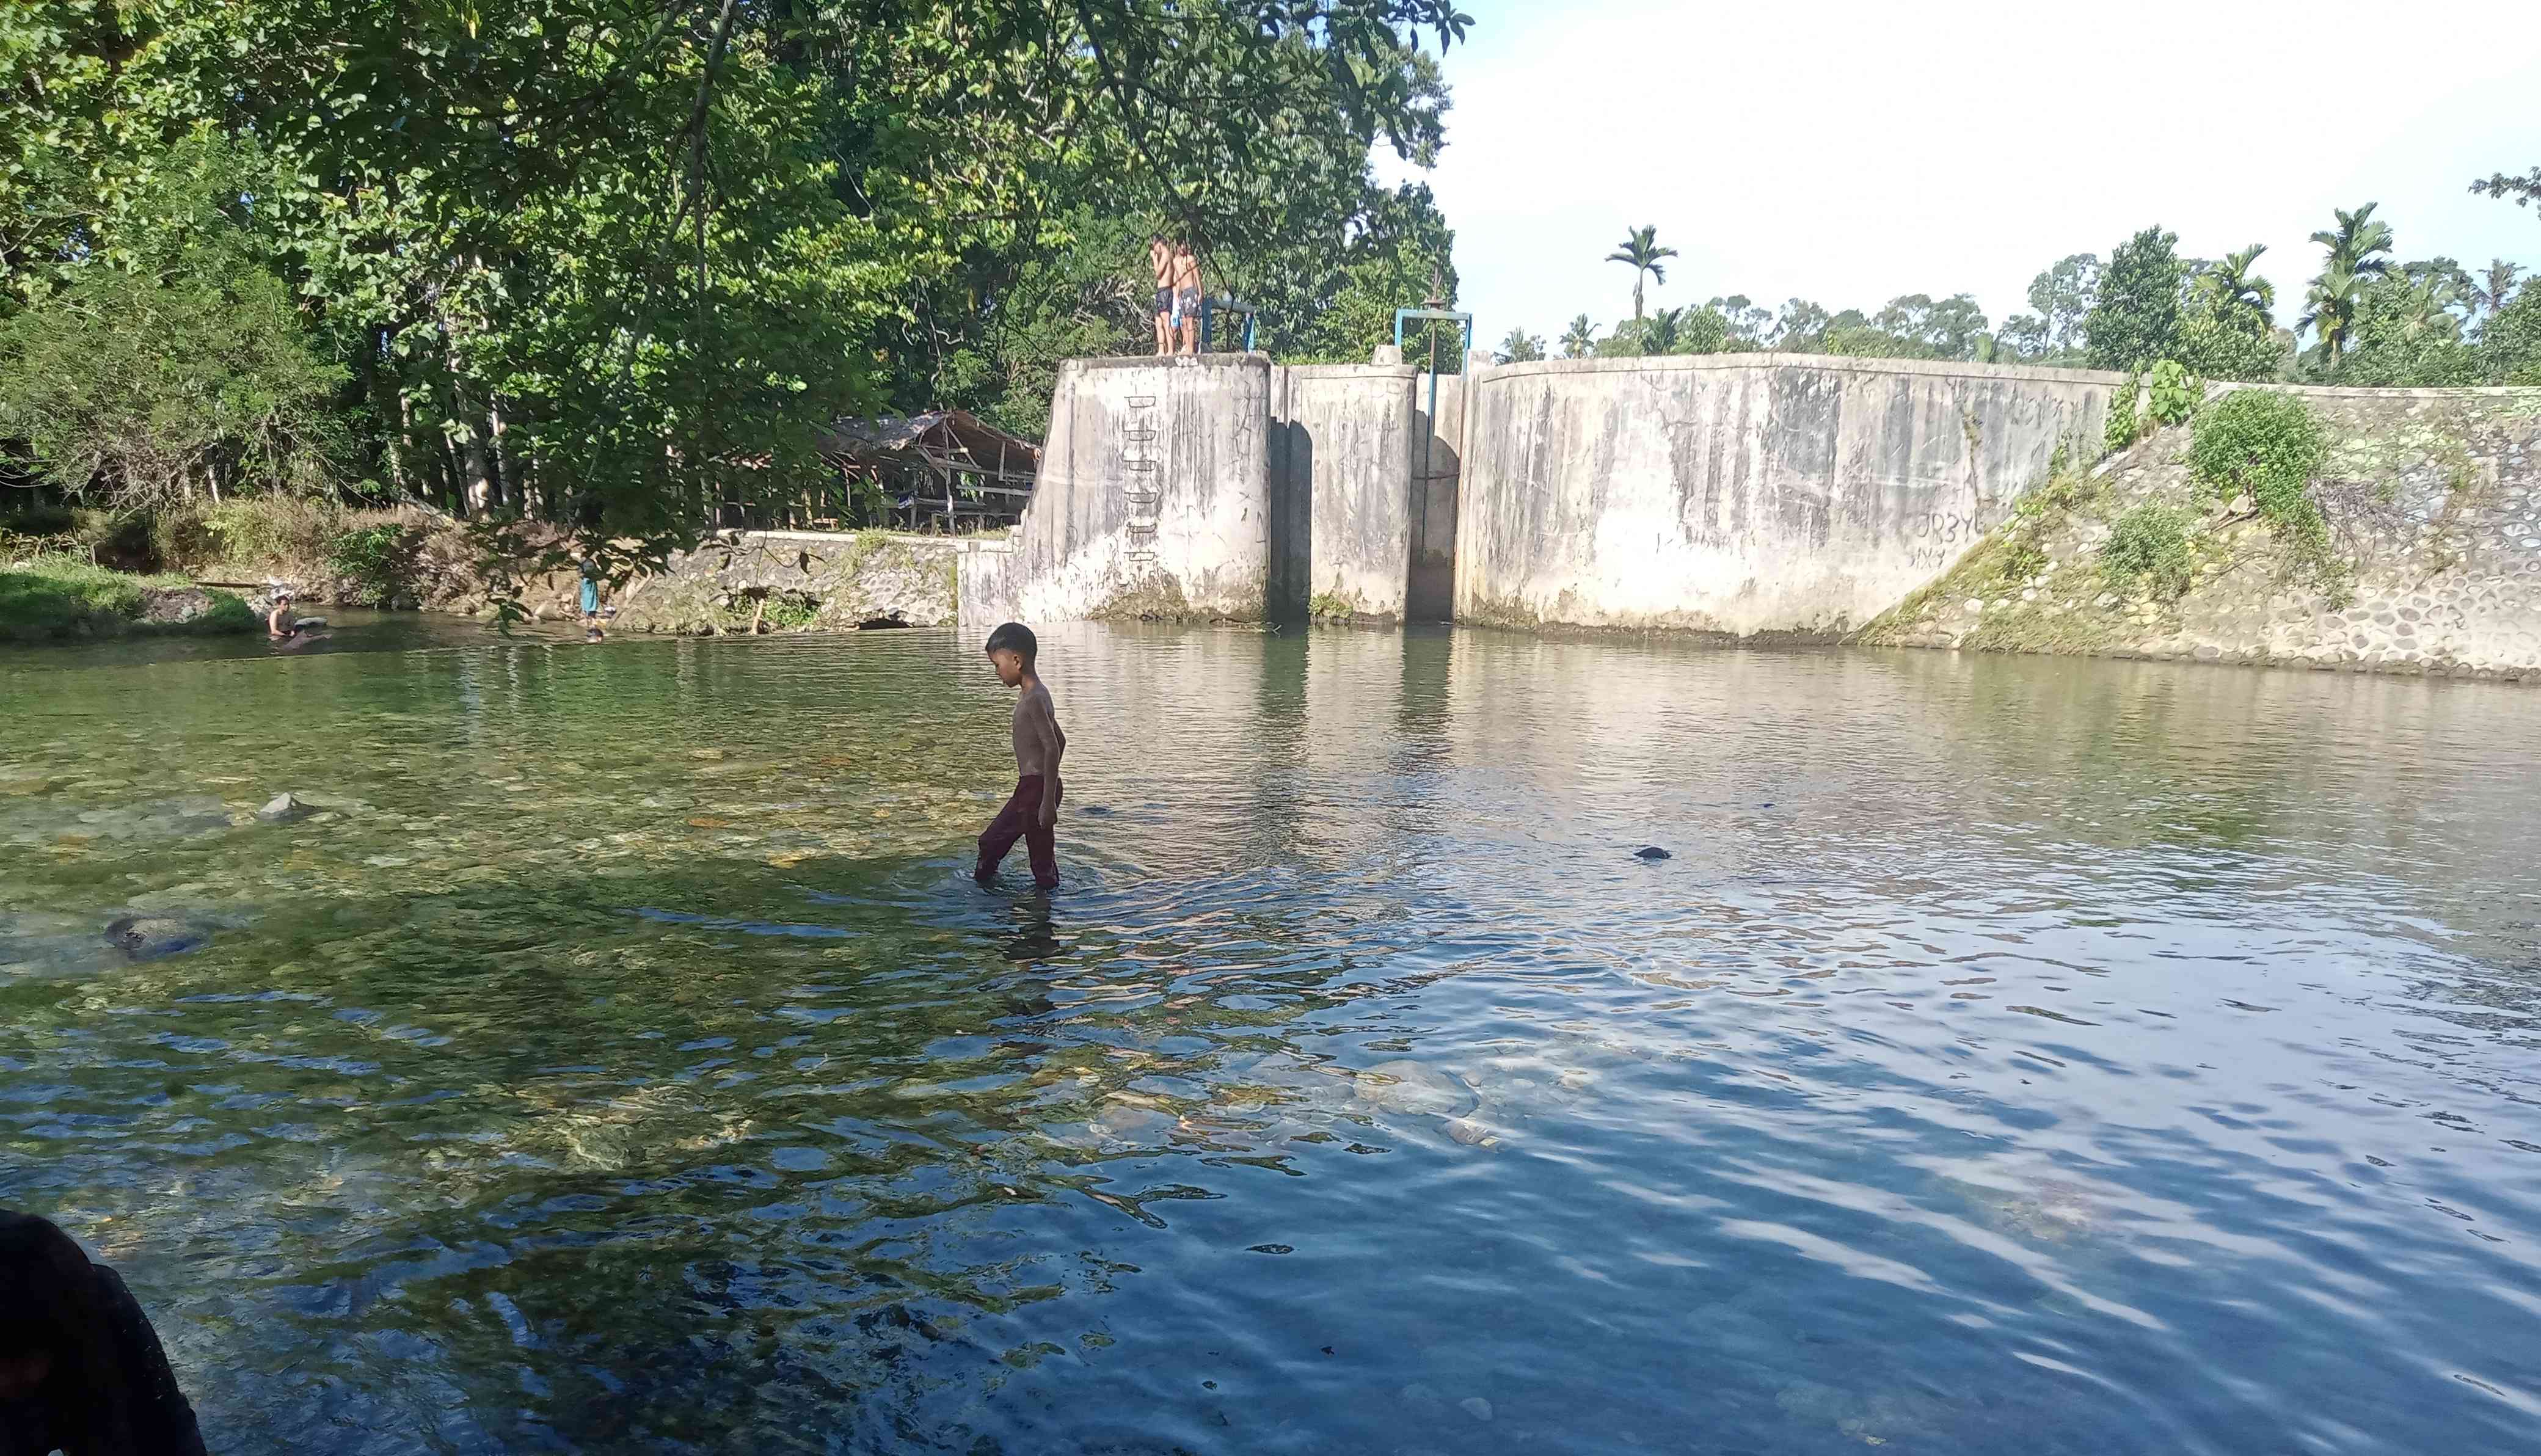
(2434, 496)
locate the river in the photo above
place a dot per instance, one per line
(2013, 1055)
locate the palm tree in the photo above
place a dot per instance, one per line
(2357, 256)
(2490, 290)
(2231, 285)
(1579, 340)
(1640, 249)
(2429, 302)
(1521, 347)
(2330, 306)
(1661, 331)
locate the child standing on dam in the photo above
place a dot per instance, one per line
(1032, 813)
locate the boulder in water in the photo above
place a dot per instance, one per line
(149, 938)
(282, 809)
(1652, 853)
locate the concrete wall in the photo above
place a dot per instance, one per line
(1743, 493)
(1154, 497)
(1348, 436)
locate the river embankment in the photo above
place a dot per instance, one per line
(114, 569)
(2406, 539)
(52, 598)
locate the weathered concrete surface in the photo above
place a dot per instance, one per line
(1347, 434)
(822, 580)
(1437, 471)
(1743, 493)
(2432, 497)
(1154, 497)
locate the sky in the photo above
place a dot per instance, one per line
(1847, 152)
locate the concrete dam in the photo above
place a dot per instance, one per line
(1743, 494)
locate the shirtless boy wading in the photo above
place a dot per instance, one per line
(1031, 815)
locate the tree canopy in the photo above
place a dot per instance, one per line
(612, 261)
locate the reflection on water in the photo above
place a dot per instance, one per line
(2015, 1056)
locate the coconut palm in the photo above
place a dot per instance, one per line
(2428, 305)
(1641, 252)
(1579, 340)
(2231, 285)
(2491, 289)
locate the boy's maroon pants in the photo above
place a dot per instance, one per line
(1021, 818)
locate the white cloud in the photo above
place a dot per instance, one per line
(1849, 152)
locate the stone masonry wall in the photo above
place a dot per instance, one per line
(840, 580)
(2432, 496)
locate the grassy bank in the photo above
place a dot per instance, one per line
(53, 597)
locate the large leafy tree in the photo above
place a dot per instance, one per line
(612, 261)
(2133, 320)
(2062, 293)
(2523, 191)
(1641, 252)
(179, 370)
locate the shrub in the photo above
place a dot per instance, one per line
(371, 559)
(275, 531)
(2150, 543)
(2123, 426)
(2172, 393)
(2266, 446)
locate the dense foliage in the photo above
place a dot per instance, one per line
(608, 261)
(2148, 546)
(2264, 447)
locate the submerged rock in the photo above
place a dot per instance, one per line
(1410, 1087)
(283, 808)
(149, 938)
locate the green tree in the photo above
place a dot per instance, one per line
(2403, 334)
(1641, 251)
(2063, 295)
(2133, 320)
(1746, 326)
(1579, 340)
(2523, 191)
(2228, 330)
(611, 261)
(178, 370)
(2509, 343)
(2356, 254)
(1800, 327)
(2232, 287)
(2493, 287)
(1521, 347)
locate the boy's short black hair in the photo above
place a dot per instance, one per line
(1014, 637)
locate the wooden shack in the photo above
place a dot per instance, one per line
(946, 470)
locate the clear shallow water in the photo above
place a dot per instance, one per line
(2015, 1056)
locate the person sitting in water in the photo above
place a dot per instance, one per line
(279, 622)
(81, 1370)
